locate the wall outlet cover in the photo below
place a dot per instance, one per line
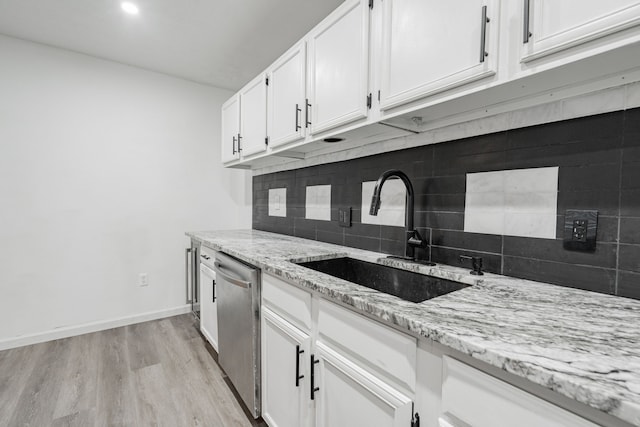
(580, 230)
(344, 217)
(143, 279)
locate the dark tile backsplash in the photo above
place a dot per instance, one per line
(599, 168)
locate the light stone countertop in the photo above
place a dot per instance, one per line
(583, 345)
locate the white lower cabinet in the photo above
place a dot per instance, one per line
(285, 378)
(324, 365)
(348, 395)
(472, 398)
(208, 305)
(335, 387)
(428, 384)
(286, 349)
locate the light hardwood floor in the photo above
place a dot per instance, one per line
(157, 373)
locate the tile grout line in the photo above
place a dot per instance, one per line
(502, 254)
(617, 278)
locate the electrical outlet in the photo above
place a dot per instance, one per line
(580, 230)
(143, 279)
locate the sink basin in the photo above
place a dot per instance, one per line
(404, 284)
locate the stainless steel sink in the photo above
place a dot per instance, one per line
(404, 284)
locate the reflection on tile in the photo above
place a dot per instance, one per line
(278, 202)
(318, 202)
(520, 202)
(391, 206)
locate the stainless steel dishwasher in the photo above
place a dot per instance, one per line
(238, 298)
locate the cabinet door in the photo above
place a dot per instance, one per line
(285, 350)
(558, 25)
(230, 129)
(351, 396)
(338, 67)
(253, 117)
(430, 46)
(468, 392)
(286, 96)
(208, 306)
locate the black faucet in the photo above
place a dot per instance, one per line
(476, 264)
(413, 238)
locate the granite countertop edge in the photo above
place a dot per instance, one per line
(519, 326)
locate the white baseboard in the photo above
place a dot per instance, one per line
(70, 331)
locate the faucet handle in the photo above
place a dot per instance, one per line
(476, 264)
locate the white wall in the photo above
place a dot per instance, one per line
(103, 167)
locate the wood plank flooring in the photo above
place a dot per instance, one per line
(157, 373)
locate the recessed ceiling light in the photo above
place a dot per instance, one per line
(129, 7)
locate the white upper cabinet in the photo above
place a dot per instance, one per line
(253, 117)
(230, 129)
(429, 46)
(551, 25)
(338, 68)
(286, 94)
(395, 62)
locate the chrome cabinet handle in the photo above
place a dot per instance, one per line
(526, 27)
(232, 280)
(239, 148)
(186, 273)
(298, 111)
(234, 145)
(483, 34)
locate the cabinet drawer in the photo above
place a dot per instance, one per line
(471, 397)
(380, 348)
(290, 302)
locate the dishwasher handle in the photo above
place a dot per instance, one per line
(241, 283)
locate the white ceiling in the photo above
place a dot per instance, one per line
(223, 43)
